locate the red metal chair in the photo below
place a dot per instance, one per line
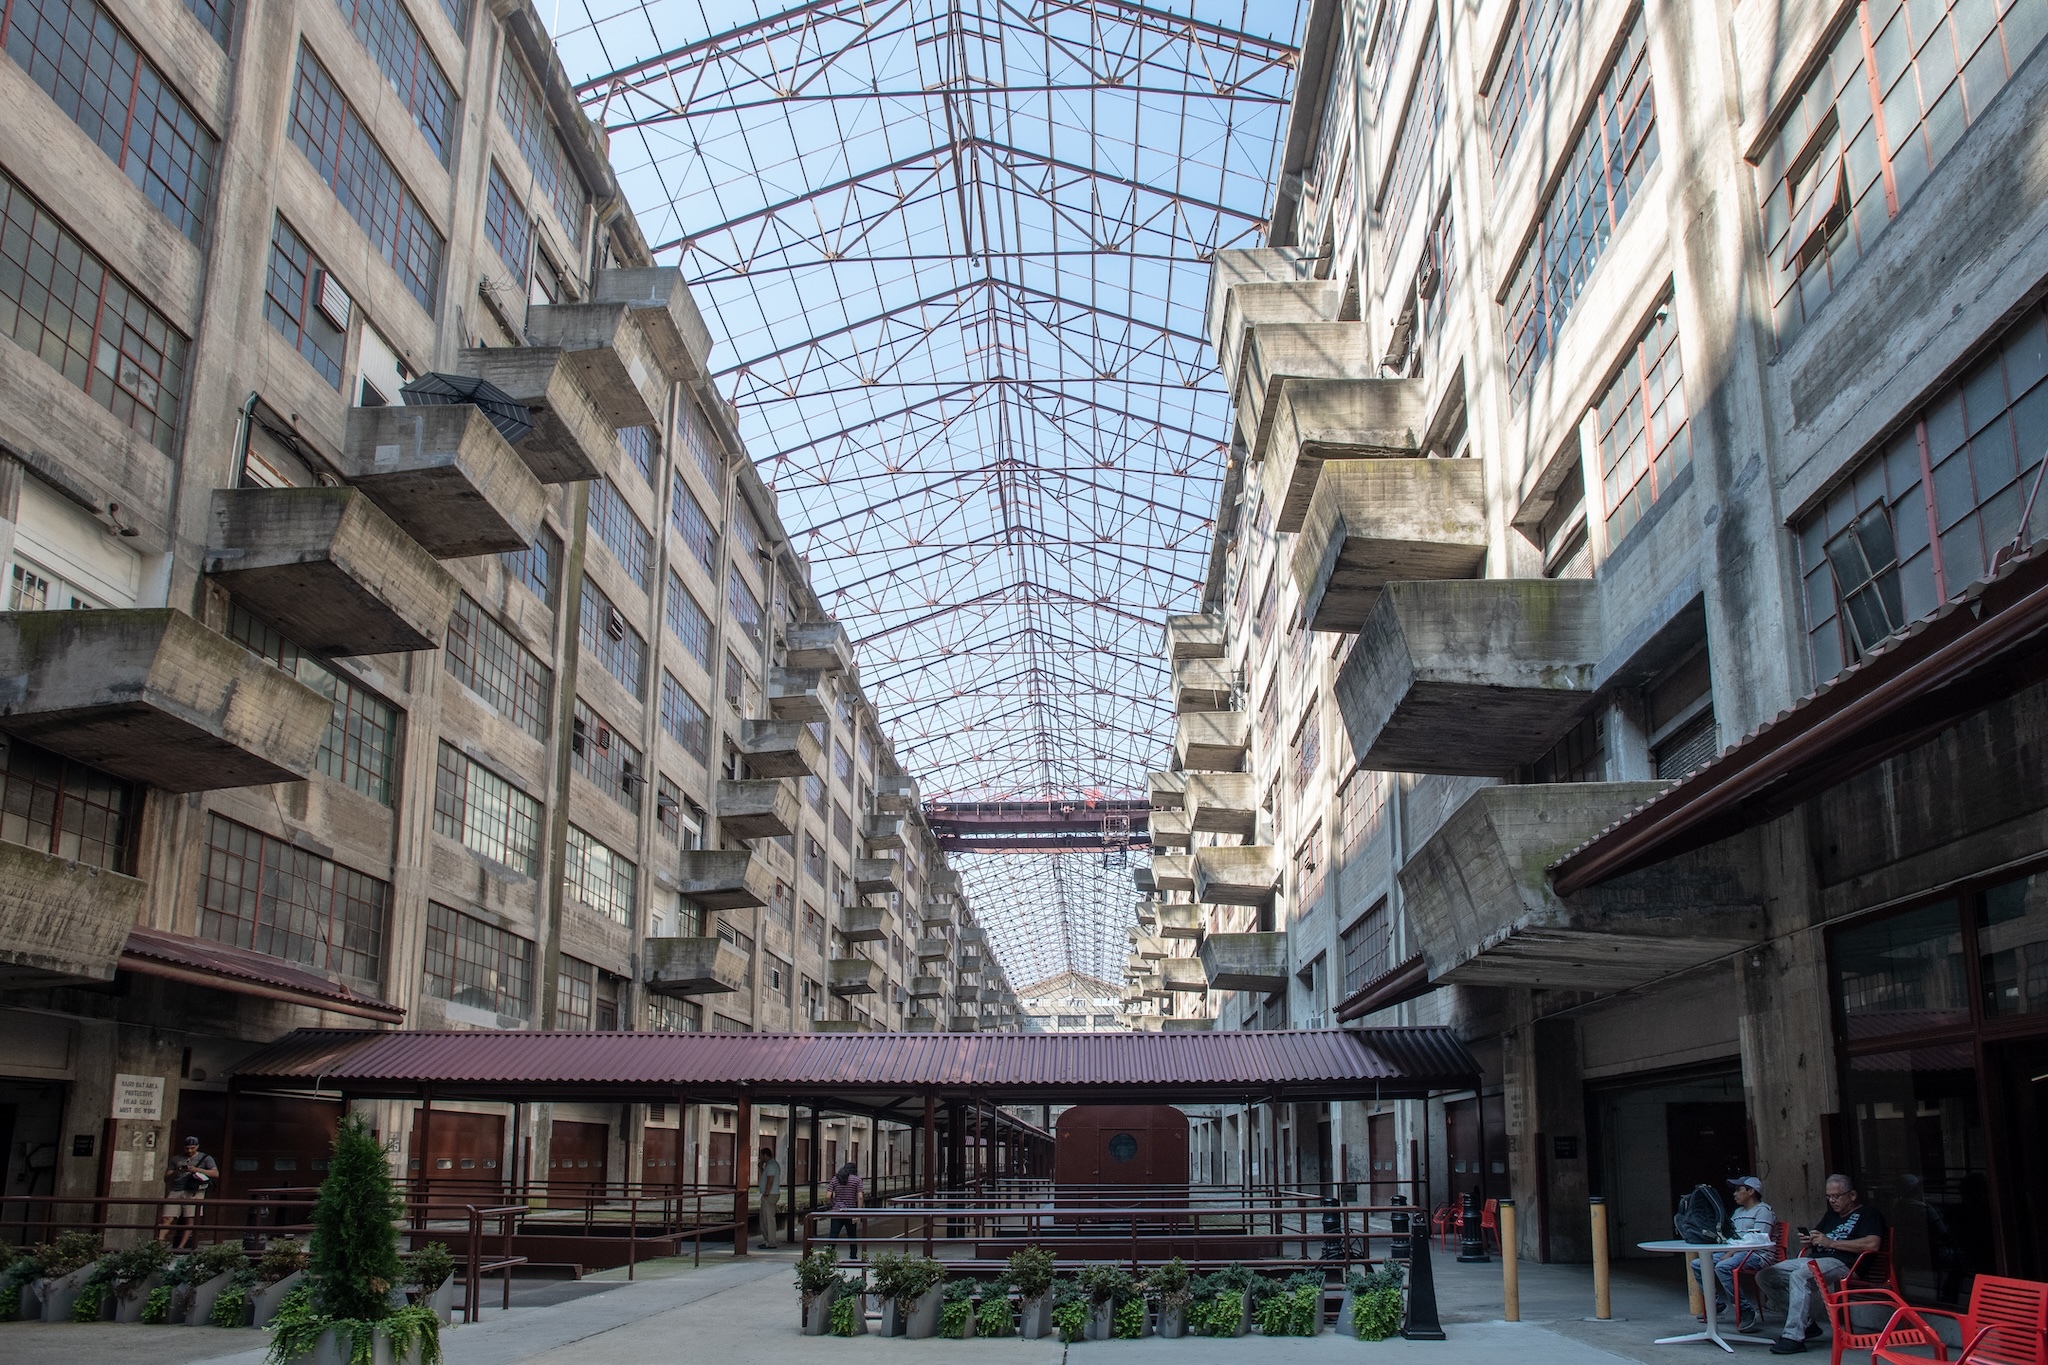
(1876, 1269)
(1489, 1224)
(2007, 1325)
(1443, 1223)
(1782, 1234)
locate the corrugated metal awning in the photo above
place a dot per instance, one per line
(871, 1069)
(222, 967)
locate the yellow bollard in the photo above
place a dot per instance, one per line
(1603, 1304)
(1510, 1280)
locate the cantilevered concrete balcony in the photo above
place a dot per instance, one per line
(964, 1023)
(1484, 911)
(1148, 917)
(935, 917)
(1246, 875)
(1250, 287)
(877, 876)
(1148, 947)
(971, 962)
(927, 987)
(1181, 920)
(1223, 803)
(676, 336)
(610, 353)
(571, 439)
(1135, 965)
(725, 878)
(150, 695)
(692, 966)
(896, 795)
(863, 923)
(973, 933)
(855, 976)
(1279, 351)
(1375, 522)
(763, 808)
(1170, 830)
(795, 694)
(1202, 685)
(1174, 871)
(1245, 962)
(918, 1023)
(1197, 636)
(884, 832)
(967, 995)
(1314, 420)
(446, 476)
(1141, 878)
(1470, 678)
(933, 948)
(1212, 741)
(944, 881)
(781, 748)
(329, 569)
(60, 921)
(1168, 791)
(820, 645)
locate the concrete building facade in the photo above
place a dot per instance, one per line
(396, 628)
(1617, 639)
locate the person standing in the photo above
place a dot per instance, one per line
(771, 1186)
(190, 1175)
(1757, 1227)
(1849, 1229)
(845, 1191)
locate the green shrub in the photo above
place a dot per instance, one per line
(904, 1279)
(996, 1318)
(157, 1307)
(220, 1258)
(953, 1318)
(1295, 1312)
(1216, 1314)
(1071, 1318)
(1376, 1313)
(1130, 1320)
(91, 1300)
(21, 1269)
(231, 1309)
(1030, 1270)
(71, 1251)
(1169, 1284)
(127, 1269)
(429, 1267)
(284, 1256)
(355, 1245)
(818, 1272)
(844, 1320)
(1106, 1283)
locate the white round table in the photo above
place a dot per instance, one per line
(1703, 1253)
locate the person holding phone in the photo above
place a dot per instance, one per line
(190, 1175)
(1849, 1229)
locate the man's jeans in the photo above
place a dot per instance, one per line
(1726, 1263)
(1791, 1283)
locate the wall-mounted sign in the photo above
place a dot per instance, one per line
(138, 1097)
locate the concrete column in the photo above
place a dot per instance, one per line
(742, 1172)
(1558, 1230)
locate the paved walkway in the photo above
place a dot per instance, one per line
(732, 1312)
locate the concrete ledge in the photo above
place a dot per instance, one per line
(676, 335)
(1212, 741)
(794, 694)
(781, 748)
(883, 832)
(1202, 684)
(692, 966)
(1223, 803)
(963, 1023)
(863, 923)
(1170, 830)
(854, 976)
(1246, 875)
(933, 947)
(1245, 962)
(1472, 678)
(725, 878)
(1167, 790)
(1183, 976)
(62, 921)
(329, 569)
(927, 987)
(1297, 350)
(571, 439)
(896, 795)
(1174, 872)
(1266, 303)
(1181, 920)
(446, 476)
(878, 876)
(1375, 522)
(610, 354)
(820, 645)
(1195, 636)
(1315, 420)
(763, 808)
(150, 695)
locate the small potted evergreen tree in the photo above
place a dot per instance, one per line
(1107, 1287)
(1031, 1271)
(819, 1285)
(63, 1268)
(1168, 1288)
(908, 1287)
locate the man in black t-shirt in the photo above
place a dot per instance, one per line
(1849, 1229)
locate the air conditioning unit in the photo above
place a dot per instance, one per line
(615, 624)
(1427, 275)
(332, 300)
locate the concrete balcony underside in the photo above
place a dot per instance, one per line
(877, 876)
(1181, 920)
(1223, 803)
(963, 1023)
(1182, 976)
(1212, 741)
(794, 694)
(1202, 684)
(1484, 912)
(896, 795)
(1261, 284)
(571, 439)
(1245, 962)
(819, 645)
(1282, 351)
(881, 833)
(1473, 678)
(781, 748)
(329, 569)
(446, 476)
(725, 878)
(1174, 872)
(855, 976)
(1170, 830)
(863, 923)
(1196, 636)
(933, 947)
(1375, 522)
(1314, 420)
(660, 301)
(150, 695)
(764, 808)
(927, 987)
(1247, 875)
(610, 354)
(61, 921)
(692, 966)
(1168, 791)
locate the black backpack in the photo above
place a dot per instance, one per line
(1702, 1217)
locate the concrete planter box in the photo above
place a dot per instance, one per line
(263, 1302)
(1171, 1323)
(330, 1349)
(442, 1301)
(1101, 1322)
(816, 1313)
(199, 1308)
(1035, 1321)
(920, 1319)
(58, 1294)
(132, 1296)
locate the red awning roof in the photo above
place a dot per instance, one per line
(203, 962)
(872, 1067)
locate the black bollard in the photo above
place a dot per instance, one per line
(1400, 1225)
(1472, 1242)
(1423, 1324)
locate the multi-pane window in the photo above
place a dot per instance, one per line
(668, 809)
(665, 1015)
(331, 134)
(273, 897)
(480, 965)
(600, 877)
(1440, 269)
(842, 763)
(814, 793)
(640, 445)
(621, 531)
(603, 755)
(1414, 149)
(814, 928)
(704, 448)
(54, 805)
(520, 107)
(75, 51)
(748, 532)
(1645, 440)
(59, 301)
(1581, 756)
(814, 857)
(1361, 810)
(506, 225)
(1364, 949)
(739, 684)
(842, 826)
(575, 994)
(290, 302)
(1269, 715)
(1896, 91)
(606, 633)
(686, 515)
(1391, 18)
(687, 621)
(687, 723)
(1308, 748)
(538, 567)
(217, 17)
(746, 607)
(1608, 159)
(1310, 870)
(1880, 552)
(458, 16)
(361, 745)
(484, 812)
(484, 657)
(402, 54)
(1525, 73)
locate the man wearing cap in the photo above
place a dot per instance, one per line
(190, 1175)
(1756, 1227)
